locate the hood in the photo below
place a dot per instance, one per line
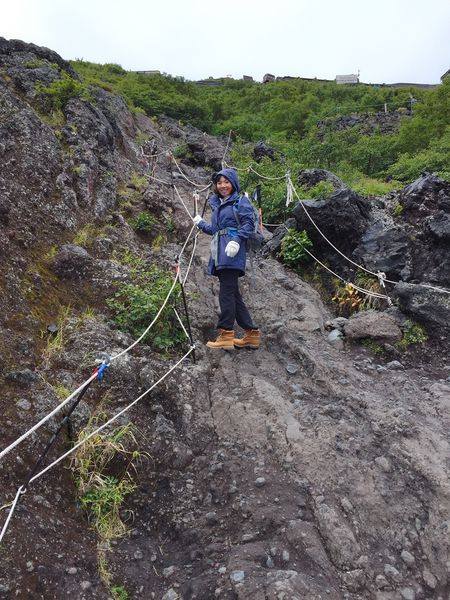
(232, 176)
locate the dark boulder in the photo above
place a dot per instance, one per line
(343, 218)
(429, 306)
(72, 262)
(384, 249)
(261, 150)
(439, 226)
(274, 244)
(424, 194)
(308, 178)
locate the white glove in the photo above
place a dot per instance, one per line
(197, 219)
(231, 249)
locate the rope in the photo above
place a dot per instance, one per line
(379, 275)
(226, 149)
(99, 372)
(197, 185)
(19, 492)
(94, 375)
(21, 489)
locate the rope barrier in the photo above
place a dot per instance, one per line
(196, 185)
(21, 489)
(226, 149)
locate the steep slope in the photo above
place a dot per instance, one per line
(298, 471)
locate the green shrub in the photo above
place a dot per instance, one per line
(144, 222)
(118, 592)
(413, 333)
(136, 304)
(293, 247)
(398, 209)
(61, 91)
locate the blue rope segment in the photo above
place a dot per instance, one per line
(102, 368)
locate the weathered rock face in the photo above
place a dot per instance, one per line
(429, 306)
(261, 150)
(263, 474)
(368, 124)
(310, 177)
(414, 248)
(343, 218)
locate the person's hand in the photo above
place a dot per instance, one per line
(231, 249)
(197, 219)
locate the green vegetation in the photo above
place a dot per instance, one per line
(135, 305)
(374, 346)
(413, 333)
(297, 118)
(101, 493)
(58, 93)
(144, 222)
(293, 247)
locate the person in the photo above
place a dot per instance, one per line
(228, 257)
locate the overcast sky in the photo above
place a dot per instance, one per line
(388, 40)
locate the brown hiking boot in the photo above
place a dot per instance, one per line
(251, 339)
(224, 340)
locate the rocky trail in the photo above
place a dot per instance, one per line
(309, 469)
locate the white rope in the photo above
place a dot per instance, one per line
(377, 275)
(94, 375)
(197, 185)
(84, 440)
(289, 191)
(226, 149)
(11, 512)
(182, 201)
(181, 323)
(268, 178)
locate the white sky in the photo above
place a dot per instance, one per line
(388, 40)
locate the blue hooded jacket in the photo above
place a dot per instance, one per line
(223, 217)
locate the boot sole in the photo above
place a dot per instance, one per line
(249, 346)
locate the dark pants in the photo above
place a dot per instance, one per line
(232, 307)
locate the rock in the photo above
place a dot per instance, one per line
(372, 324)
(407, 593)
(439, 226)
(274, 244)
(334, 338)
(72, 262)
(285, 556)
(269, 563)
(354, 580)
(237, 576)
(384, 463)
(85, 585)
(171, 594)
(341, 543)
(381, 582)
(72, 571)
(343, 218)
(169, 571)
(392, 573)
(23, 404)
(260, 482)
(431, 307)
(22, 378)
(261, 150)
(212, 518)
(384, 249)
(309, 178)
(338, 323)
(291, 368)
(138, 555)
(394, 365)
(429, 579)
(407, 558)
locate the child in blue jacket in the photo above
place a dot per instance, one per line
(228, 258)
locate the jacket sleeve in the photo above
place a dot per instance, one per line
(207, 228)
(246, 224)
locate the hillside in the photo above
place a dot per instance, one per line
(316, 467)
